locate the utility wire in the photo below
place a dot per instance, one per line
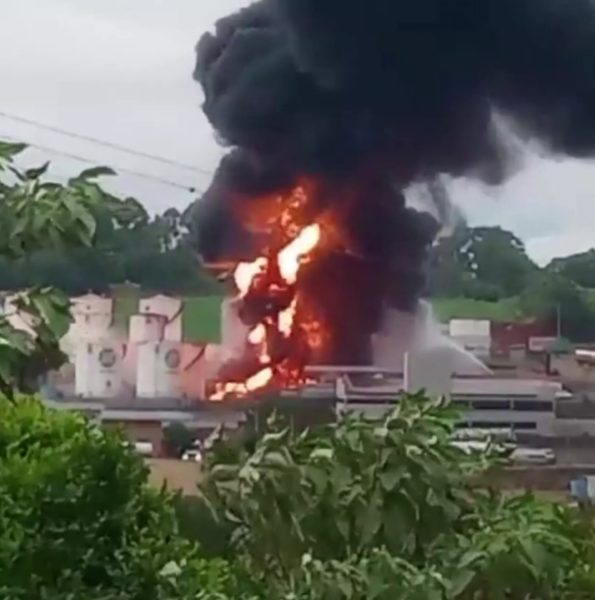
(99, 142)
(84, 159)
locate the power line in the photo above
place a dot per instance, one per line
(99, 142)
(83, 159)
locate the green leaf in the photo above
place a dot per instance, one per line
(50, 306)
(94, 173)
(9, 150)
(19, 340)
(461, 582)
(391, 477)
(322, 454)
(370, 523)
(37, 172)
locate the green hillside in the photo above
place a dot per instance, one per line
(446, 309)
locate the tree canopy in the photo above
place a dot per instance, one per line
(487, 263)
(79, 520)
(390, 509)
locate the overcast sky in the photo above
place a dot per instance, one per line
(120, 70)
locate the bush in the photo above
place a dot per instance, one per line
(77, 518)
(198, 524)
(387, 509)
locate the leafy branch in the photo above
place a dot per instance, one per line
(37, 215)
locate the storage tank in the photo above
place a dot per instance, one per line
(159, 370)
(92, 317)
(168, 307)
(98, 369)
(147, 328)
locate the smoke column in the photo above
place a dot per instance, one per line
(364, 98)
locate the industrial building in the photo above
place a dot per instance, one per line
(145, 362)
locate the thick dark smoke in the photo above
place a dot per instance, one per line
(369, 96)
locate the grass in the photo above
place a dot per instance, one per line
(468, 308)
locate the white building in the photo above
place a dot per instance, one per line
(472, 335)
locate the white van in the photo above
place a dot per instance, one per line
(533, 456)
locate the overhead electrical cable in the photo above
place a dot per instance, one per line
(116, 168)
(100, 142)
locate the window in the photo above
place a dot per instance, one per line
(534, 405)
(489, 425)
(525, 426)
(460, 404)
(490, 405)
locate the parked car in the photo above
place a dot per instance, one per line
(533, 456)
(144, 448)
(193, 455)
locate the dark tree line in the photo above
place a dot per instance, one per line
(491, 264)
(153, 252)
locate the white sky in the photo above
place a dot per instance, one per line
(120, 70)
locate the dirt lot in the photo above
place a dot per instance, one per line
(176, 474)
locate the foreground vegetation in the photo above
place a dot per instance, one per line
(358, 509)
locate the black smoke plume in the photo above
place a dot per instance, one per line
(369, 96)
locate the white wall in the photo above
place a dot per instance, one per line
(473, 335)
(429, 370)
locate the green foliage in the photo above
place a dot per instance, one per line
(77, 237)
(78, 520)
(199, 525)
(578, 268)
(485, 273)
(550, 293)
(388, 509)
(485, 263)
(38, 216)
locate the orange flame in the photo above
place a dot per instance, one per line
(256, 382)
(286, 319)
(246, 272)
(258, 335)
(272, 276)
(291, 256)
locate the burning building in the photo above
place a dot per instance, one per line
(331, 109)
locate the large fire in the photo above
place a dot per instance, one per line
(281, 334)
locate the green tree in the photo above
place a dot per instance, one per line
(77, 517)
(79, 520)
(47, 230)
(38, 216)
(486, 263)
(553, 298)
(390, 509)
(579, 268)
